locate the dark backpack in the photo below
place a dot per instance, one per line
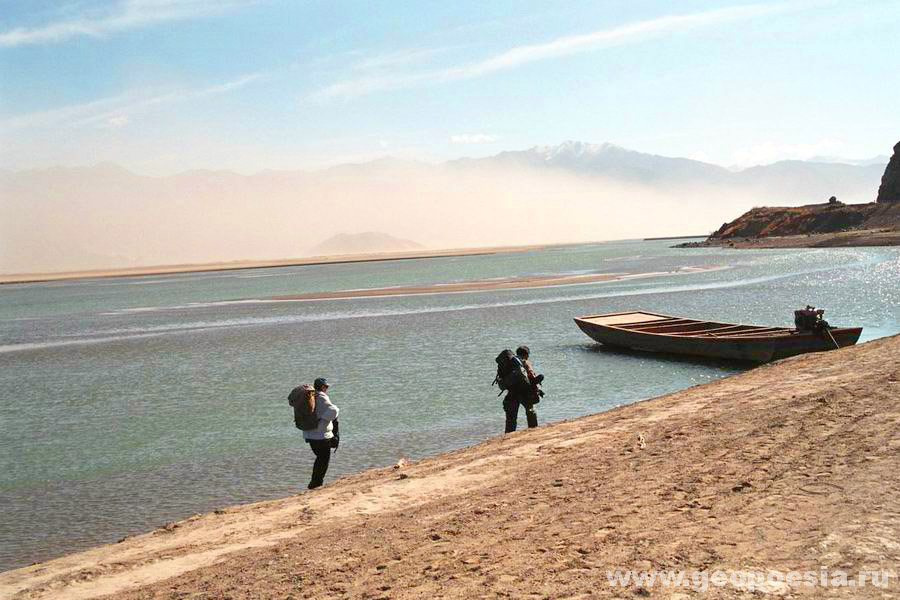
(304, 414)
(511, 373)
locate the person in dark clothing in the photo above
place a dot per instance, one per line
(322, 439)
(522, 352)
(525, 396)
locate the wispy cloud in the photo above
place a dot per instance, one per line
(400, 58)
(140, 105)
(64, 113)
(472, 138)
(228, 86)
(560, 47)
(120, 110)
(125, 14)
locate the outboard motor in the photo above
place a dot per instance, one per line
(810, 319)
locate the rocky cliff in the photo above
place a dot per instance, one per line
(889, 190)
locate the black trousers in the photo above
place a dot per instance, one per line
(511, 406)
(322, 450)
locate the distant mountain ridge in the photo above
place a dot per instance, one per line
(881, 159)
(781, 181)
(72, 218)
(606, 160)
(370, 242)
(786, 178)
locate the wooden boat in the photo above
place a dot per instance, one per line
(660, 333)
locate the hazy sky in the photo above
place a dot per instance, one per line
(165, 85)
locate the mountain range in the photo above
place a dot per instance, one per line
(369, 242)
(779, 182)
(105, 216)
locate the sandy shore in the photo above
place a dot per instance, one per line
(480, 285)
(867, 237)
(508, 283)
(791, 466)
(249, 264)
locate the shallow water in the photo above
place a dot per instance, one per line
(126, 403)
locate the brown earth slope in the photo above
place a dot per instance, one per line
(789, 466)
(811, 219)
(815, 225)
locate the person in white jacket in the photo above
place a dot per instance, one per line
(321, 439)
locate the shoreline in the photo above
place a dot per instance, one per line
(13, 278)
(788, 466)
(843, 239)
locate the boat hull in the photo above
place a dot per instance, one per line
(762, 348)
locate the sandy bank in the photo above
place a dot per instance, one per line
(868, 237)
(789, 466)
(481, 285)
(250, 264)
(510, 283)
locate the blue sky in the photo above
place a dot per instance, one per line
(161, 86)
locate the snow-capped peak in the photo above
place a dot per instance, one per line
(574, 149)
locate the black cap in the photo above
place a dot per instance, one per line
(320, 383)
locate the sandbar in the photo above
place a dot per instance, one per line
(509, 283)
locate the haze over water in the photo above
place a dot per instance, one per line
(127, 403)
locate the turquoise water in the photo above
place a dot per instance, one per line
(126, 403)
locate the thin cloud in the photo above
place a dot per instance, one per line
(126, 14)
(560, 47)
(231, 85)
(119, 110)
(64, 113)
(147, 103)
(394, 59)
(401, 58)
